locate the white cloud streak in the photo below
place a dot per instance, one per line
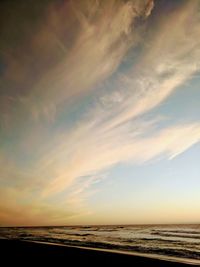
(106, 32)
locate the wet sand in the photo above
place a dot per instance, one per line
(23, 253)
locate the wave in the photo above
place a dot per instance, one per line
(166, 234)
(188, 231)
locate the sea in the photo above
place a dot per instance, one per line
(171, 242)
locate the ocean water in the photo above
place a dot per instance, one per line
(172, 242)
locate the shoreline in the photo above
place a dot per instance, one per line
(125, 252)
(21, 251)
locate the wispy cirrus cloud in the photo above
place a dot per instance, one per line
(84, 43)
(76, 46)
(106, 32)
(66, 161)
(169, 59)
(96, 154)
(109, 137)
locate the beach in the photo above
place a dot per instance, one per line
(25, 253)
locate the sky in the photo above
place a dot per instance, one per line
(99, 112)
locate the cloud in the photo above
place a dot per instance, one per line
(97, 151)
(76, 46)
(110, 136)
(169, 59)
(59, 163)
(106, 32)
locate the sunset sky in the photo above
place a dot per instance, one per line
(99, 112)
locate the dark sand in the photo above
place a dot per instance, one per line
(21, 253)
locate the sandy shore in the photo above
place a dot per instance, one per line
(26, 253)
